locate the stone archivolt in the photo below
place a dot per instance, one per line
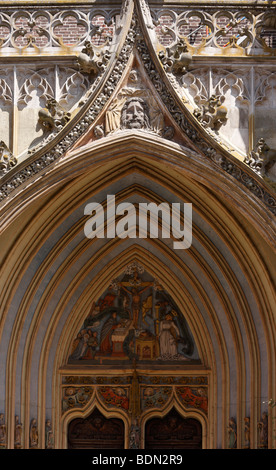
(122, 109)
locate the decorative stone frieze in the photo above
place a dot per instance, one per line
(210, 30)
(76, 397)
(39, 30)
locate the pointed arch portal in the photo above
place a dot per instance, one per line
(128, 333)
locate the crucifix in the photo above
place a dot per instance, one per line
(135, 287)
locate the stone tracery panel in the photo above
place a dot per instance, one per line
(35, 30)
(216, 31)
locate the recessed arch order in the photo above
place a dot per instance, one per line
(53, 273)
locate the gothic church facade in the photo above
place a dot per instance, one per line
(117, 330)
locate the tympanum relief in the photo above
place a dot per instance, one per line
(135, 319)
(134, 108)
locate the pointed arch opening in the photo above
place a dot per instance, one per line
(96, 432)
(173, 431)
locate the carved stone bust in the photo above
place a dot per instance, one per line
(135, 114)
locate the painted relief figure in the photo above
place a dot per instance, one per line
(135, 319)
(33, 434)
(169, 333)
(106, 334)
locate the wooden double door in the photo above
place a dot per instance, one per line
(170, 432)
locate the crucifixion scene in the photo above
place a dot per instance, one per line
(135, 319)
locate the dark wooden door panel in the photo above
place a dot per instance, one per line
(96, 432)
